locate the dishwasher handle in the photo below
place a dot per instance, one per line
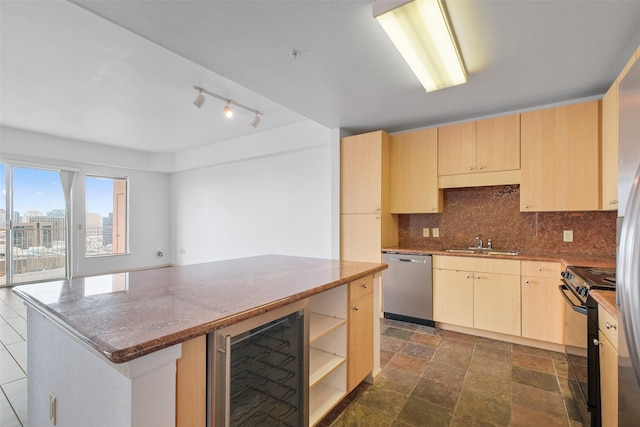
(420, 261)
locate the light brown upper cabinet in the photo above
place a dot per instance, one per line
(457, 149)
(498, 147)
(609, 159)
(483, 152)
(361, 172)
(561, 158)
(414, 173)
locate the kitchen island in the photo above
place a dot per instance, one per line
(105, 347)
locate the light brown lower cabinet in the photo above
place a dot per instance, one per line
(479, 293)
(608, 337)
(191, 384)
(360, 331)
(453, 297)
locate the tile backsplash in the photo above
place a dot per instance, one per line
(494, 213)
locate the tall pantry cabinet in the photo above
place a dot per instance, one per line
(366, 224)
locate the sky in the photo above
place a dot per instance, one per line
(41, 190)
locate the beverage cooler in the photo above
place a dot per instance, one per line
(258, 370)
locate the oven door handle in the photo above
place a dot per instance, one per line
(577, 308)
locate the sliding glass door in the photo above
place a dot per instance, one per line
(34, 230)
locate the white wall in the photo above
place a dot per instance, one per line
(268, 193)
(149, 212)
(275, 191)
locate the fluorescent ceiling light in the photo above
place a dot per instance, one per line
(421, 32)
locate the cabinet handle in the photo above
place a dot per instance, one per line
(356, 308)
(613, 202)
(364, 285)
(596, 342)
(480, 167)
(478, 277)
(377, 209)
(470, 168)
(468, 277)
(541, 269)
(377, 217)
(526, 206)
(526, 281)
(610, 326)
(433, 209)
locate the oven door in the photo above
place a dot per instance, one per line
(575, 339)
(575, 323)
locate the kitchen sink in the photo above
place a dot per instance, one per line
(483, 251)
(463, 251)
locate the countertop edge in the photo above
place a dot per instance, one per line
(130, 353)
(607, 299)
(563, 258)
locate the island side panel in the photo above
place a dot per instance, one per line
(90, 390)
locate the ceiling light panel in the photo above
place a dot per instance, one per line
(421, 32)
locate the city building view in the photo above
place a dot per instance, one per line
(33, 241)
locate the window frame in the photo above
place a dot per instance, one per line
(126, 249)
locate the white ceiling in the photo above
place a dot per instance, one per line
(67, 72)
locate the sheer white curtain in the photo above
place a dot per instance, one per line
(66, 178)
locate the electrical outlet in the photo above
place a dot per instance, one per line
(53, 409)
(435, 232)
(567, 235)
(182, 251)
(425, 232)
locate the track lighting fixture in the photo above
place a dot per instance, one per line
(256, 121)
(200, 100)
(228, 112)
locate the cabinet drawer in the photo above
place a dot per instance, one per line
(360, 287)
(549, 270)
(608, 325)
(485, 265)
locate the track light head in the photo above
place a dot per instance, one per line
(200, 100)
(256, 121)
(228, 112)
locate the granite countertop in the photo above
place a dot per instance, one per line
(564, 258)
(127, 315)
(607, 299)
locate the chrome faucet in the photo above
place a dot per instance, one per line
(478, 242)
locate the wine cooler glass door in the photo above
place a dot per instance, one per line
(261, 371)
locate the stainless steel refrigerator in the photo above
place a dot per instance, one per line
(628, 267)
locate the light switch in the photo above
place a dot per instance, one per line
(425, 232)
(567, 235)
(435, 232)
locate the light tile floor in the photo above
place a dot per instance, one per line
(432, 377)
(13, 360)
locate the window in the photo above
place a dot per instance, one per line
(106, 216)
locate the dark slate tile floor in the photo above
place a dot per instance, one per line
(432, 377)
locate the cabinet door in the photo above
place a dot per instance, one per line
(542, 309)
(361, 173)
(498, 144)
(548, 139)
(360, 237)
(496, 303)
(610, 149)
(360, 342)
(608, 382)
(414, 172)
(457, 149)
(453, 297)
(191, 383)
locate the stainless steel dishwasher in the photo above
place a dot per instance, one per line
(407, 288)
